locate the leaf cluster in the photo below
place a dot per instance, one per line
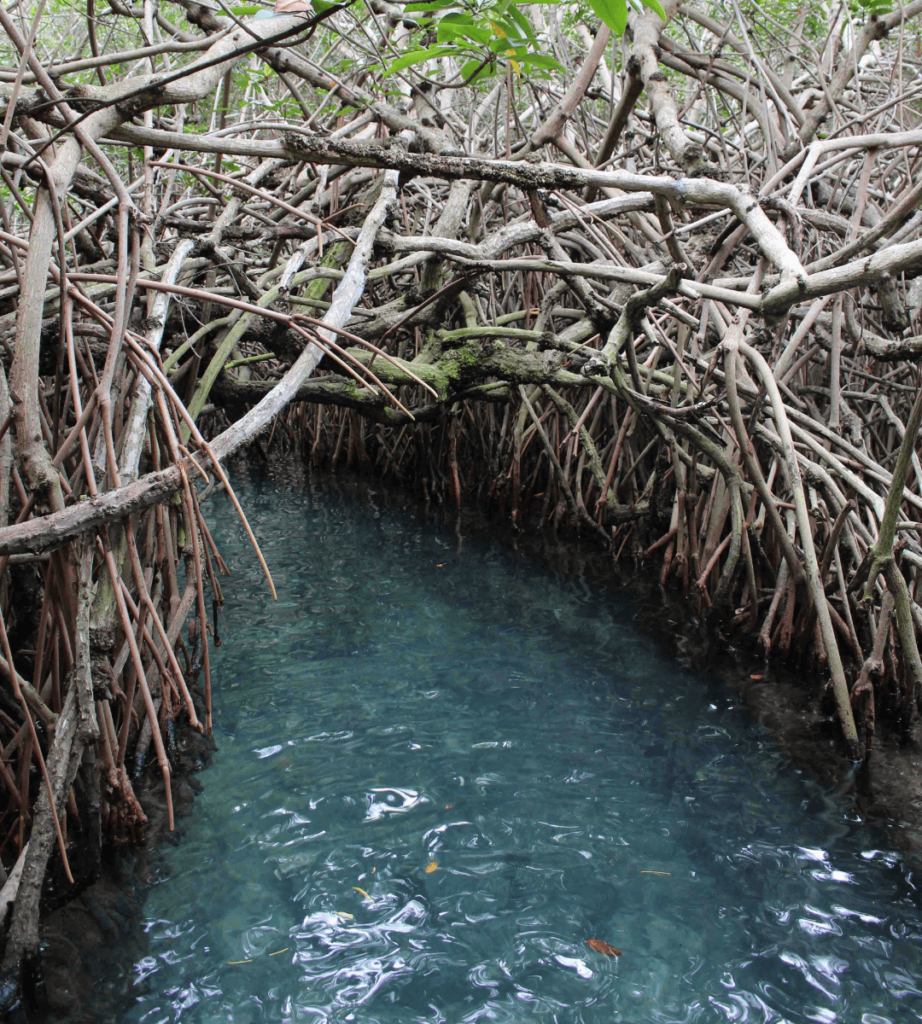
(484, 37)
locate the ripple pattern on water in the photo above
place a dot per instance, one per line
(440, 770)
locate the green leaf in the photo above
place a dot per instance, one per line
(523, 23)
(543, 61)
(656, 7)
(433, 5)
(454, 25)
(509, 29)
(246, 11)
(612, 12)
(475, 70)
(508, 47)
(482, 36)
(322, 5)
(419, 57)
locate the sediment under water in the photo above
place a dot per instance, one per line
(441, 769)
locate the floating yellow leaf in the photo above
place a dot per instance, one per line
(365, 894)
(431, 866)
(648, 872)
(235, 962)
(280, 951)
(344, 915)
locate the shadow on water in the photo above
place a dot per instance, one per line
(442, 767)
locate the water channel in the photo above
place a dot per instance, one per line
(441, 769)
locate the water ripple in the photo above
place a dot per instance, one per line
(441, 770)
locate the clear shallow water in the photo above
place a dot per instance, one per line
(407, 704)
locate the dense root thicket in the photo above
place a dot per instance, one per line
(665, 296)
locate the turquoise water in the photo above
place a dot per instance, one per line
(441, 769)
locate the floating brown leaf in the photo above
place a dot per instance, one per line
(602, 947)
(431, 866)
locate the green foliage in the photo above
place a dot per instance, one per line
(877, 7)
(483, 36)
(613, 13)
(478, 36)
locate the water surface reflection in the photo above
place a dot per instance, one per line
(441, 771)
